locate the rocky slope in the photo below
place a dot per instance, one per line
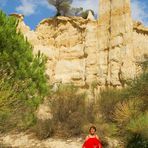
(23, 140)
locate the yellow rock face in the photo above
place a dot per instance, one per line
(81, 51)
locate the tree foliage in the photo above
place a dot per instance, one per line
(22, 77)
(62, 6)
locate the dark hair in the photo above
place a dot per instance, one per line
(92, 127)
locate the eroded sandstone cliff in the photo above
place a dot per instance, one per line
(83, 51)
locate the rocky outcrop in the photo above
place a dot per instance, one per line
(62, 40)
(21, 25)
(84, 51)
(115, 25)
(90, 16)
(140, 41)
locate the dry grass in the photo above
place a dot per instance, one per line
(43, 128)
(68, 107)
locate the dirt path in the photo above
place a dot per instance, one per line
(23, 140)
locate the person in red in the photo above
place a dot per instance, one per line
(92, 140)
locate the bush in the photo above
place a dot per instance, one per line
(137, 141)
(137, 132)
(139, 125)
(68, 107)
(127, 110)
(139, 89)
(43, 128)
(107, 101)
(23, 83)
(91, 112)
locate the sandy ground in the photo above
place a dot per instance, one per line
(23, 140)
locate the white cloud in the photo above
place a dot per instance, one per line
(139, 8)
(27, 7)
(139, 11)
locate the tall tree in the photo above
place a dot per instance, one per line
(62, 6)
(23, 83)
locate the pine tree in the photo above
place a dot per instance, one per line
(23, 83)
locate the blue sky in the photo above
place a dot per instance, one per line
(36, 10)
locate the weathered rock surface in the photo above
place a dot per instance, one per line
(79, 51)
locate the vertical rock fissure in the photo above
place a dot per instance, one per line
(109, 48)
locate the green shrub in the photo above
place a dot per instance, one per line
(23, 82)
(137, 141)
(138, 88)
(68, 107)
(137, 128)
(139, 125)
(107, 101)
(127, 110)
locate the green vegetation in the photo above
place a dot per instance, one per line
(121, 114)
(68, 108)
(118, 114)
(127, 110)
(64, 8)
(71, 114)
(22, 77)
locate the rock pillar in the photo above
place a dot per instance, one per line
(115, 42)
